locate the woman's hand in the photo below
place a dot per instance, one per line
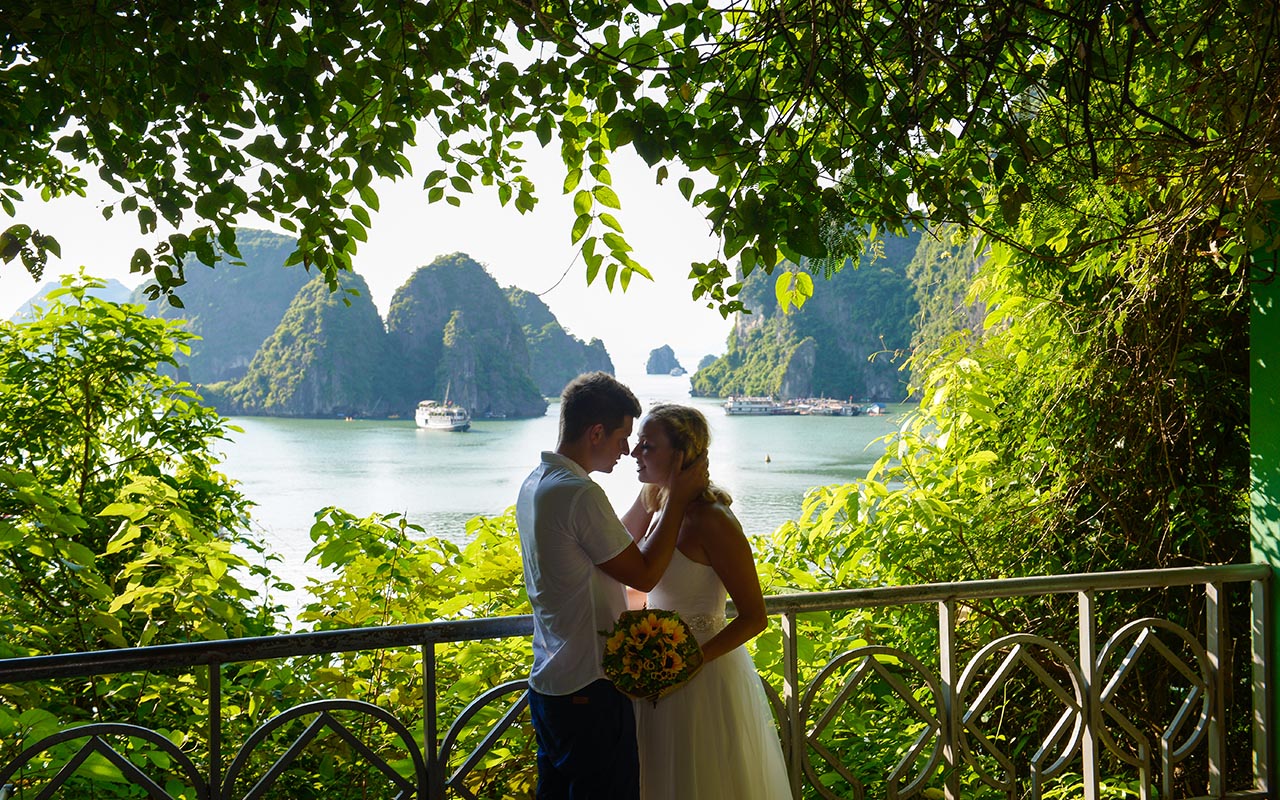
(685, 484)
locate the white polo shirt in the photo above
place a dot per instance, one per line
(567, 527)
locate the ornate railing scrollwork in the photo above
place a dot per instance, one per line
(1005, 657)
(457, 779)
(96, 738)
(860, 666)
(325, 719)
(1129, 644)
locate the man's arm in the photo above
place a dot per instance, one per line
(642, 565)
(637, 521)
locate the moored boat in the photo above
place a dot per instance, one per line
(442, 416)
(825, 407)
(751, 406)
(810, 407)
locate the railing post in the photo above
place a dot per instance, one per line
(791, 698)
(1214, 636)
(949, 674)
(430, 744)
(1264, 710)
(1092, 711)
(215, 731)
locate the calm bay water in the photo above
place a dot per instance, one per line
(291, 468)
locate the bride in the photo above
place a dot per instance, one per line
(714, 737)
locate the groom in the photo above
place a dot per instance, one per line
(577, 556)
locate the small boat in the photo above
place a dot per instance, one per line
(442, 416)
(676, 372)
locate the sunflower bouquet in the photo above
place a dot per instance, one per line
(650, 653)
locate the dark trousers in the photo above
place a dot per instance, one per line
(586, 744)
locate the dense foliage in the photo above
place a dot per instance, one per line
(799, 117)
(117, 527)
(116, 530)
(942, 273)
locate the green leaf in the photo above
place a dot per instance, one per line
(611, 222)
(543, 130)
(123, 537)
(606, 196)
(792, 289)
(616, 243)
(580, 227)
(141, 261)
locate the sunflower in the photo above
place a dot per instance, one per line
(649, 653)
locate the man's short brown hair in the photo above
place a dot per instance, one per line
(594, 397)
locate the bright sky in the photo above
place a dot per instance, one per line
(531, 251)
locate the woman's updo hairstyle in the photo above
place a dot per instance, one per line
(690, 436)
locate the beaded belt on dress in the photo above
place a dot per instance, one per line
(701, 623)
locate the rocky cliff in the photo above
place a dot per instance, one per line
(452, 329)
(329, 356)
(234, 306)
(848, 340)
(942, 272)
(555, 355)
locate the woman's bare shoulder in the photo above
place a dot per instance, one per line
(713, 521)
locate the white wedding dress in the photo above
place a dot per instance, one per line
(714, 737)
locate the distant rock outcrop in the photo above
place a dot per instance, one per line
(275, 342)
(452, 330)
(327, 357)
(233, 307)
(555, 356)
(113, 292)
(662, 361)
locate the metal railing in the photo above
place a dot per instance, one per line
(1088, 727)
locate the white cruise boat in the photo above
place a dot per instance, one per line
(442, 417)
(751, 406)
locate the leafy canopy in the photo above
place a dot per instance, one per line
(806, 122)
